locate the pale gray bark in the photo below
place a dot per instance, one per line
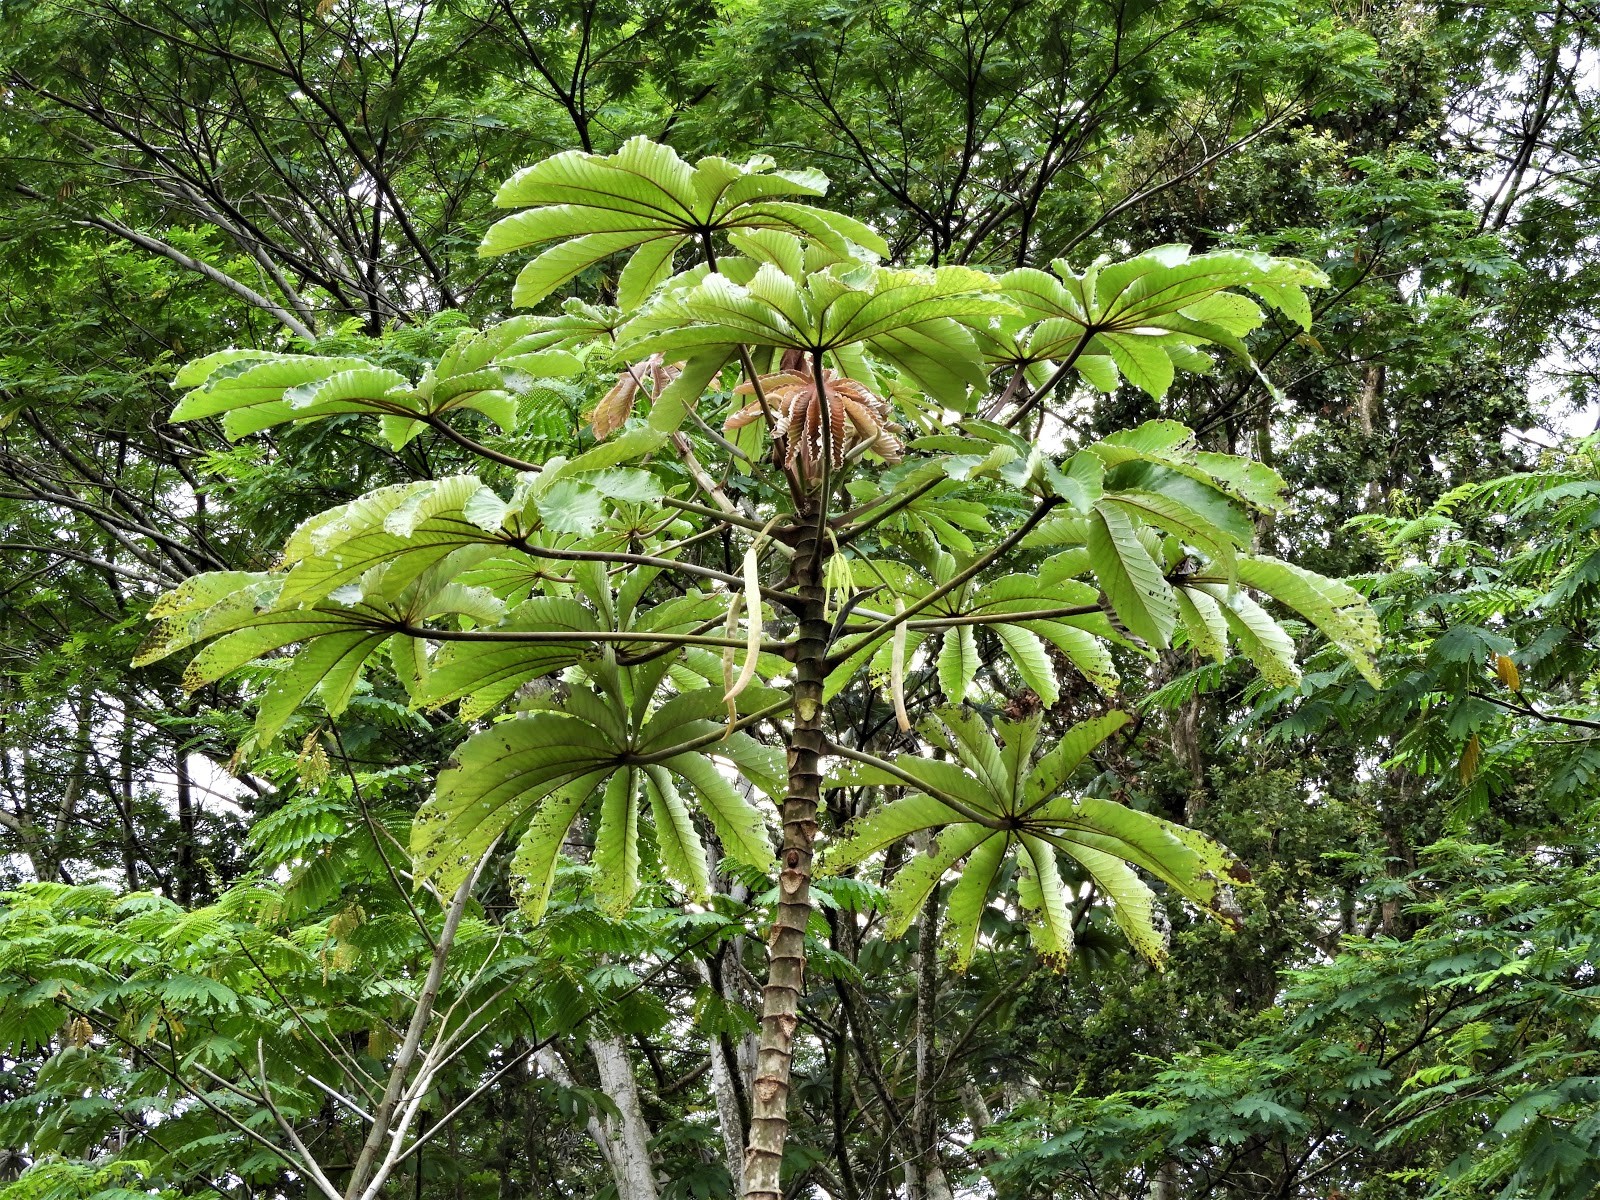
(628, 1131)
(729, 1119)
(623, 1140)
(925, 1172)
(978, 1114)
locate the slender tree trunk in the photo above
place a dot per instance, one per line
(726, 1089)
(1367, 413)
(130, 847)
(838, 1060)
(978, 1115)
(1165, 1184)
(786, 956)
(370, 1171)
(18, 821)
(186, 836)
(1394, 920)
(66, 815)
(931, 1183)
(1184, 733)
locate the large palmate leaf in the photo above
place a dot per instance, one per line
(915, 320)
(619, 736)
(1023, 611)
(546, 634)
(1335, 608)
(1145, 317)
(539, 773)
(995, 803)
(408, 527)
(482, 675)
(1160, 528)
(405, 529)
(647, 200)
(378, 571)
(1151, 542)
(254, 390)
(245, 618)
(1165, 531)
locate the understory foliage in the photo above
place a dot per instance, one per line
(803, 599)
(1382, 1055)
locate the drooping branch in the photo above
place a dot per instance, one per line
(188, 262)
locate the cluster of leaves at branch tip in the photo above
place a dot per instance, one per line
(877, 382)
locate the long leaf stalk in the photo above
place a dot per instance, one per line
(936, 624)
(561, 637)
(788, 599)
(1062, 371)
(957, 580)
(959, 805)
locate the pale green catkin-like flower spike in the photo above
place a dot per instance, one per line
(752, 604)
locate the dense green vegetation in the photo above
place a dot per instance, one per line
(478, 719)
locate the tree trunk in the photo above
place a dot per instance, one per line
(729, 1081)
(1165, 1184)
(1185, 731)
(930, 1182)
(18, 788)
(978, 1115)
(186, 837)
(623, 1140)
(786, 956)
(1367, 412)
(1393, 919)
(628, 1133)
(125, 796)
(65, 823)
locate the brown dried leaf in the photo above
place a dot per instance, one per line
(612, 412)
